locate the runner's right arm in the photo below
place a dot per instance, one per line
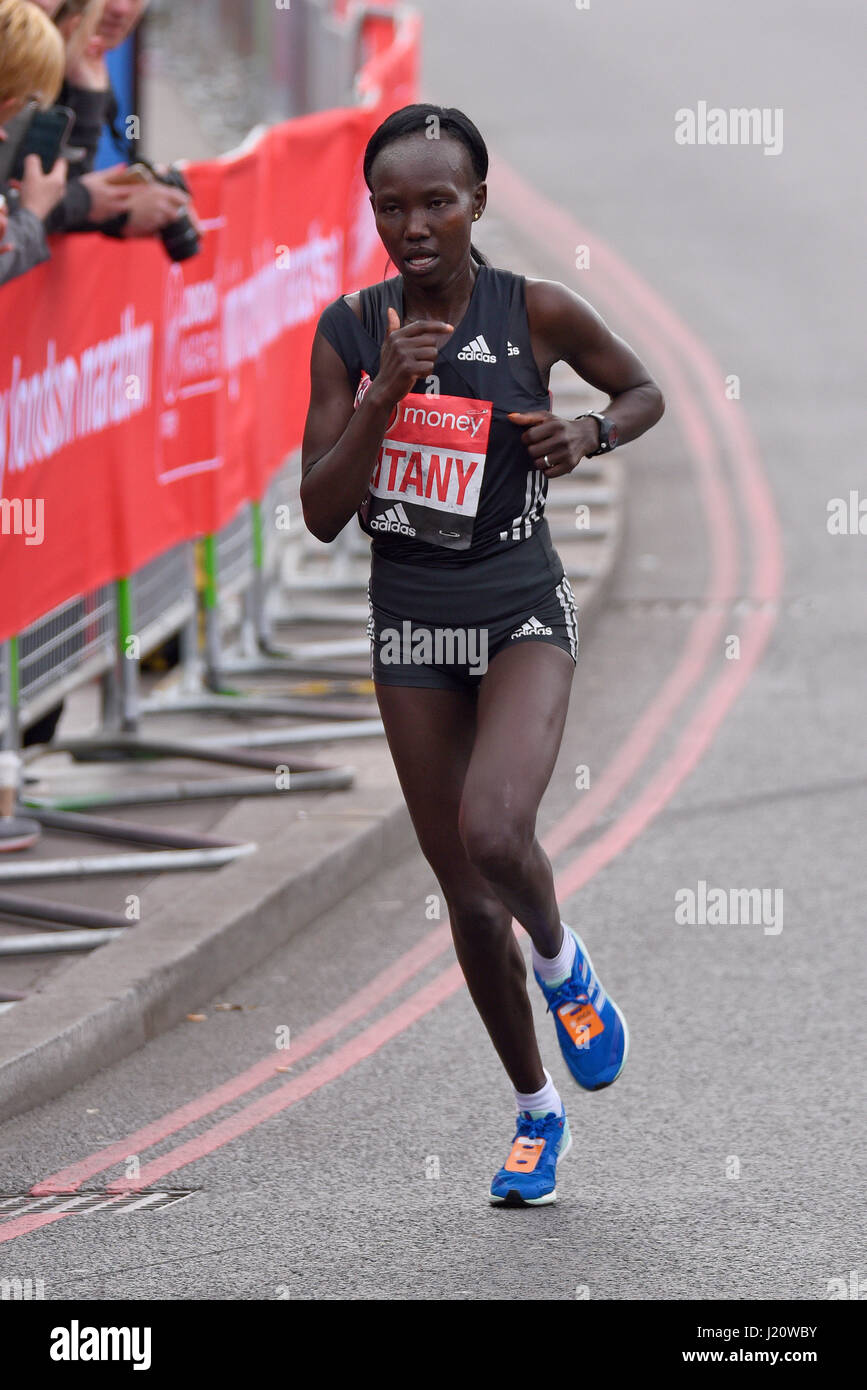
(341, 443)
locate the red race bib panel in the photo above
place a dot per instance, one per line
(428, 474)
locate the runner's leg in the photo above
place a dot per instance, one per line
(522, 705)
(431, 734)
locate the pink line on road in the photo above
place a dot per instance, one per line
(705, 630)
(691, 747)
(350, 1011)
(23, 1225)
(370, 1040)
(531, 209)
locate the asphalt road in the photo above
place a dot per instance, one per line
(727, 1162)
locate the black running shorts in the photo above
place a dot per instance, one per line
(441, 628)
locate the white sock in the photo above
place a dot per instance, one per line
(539, 1103)
(557, 968)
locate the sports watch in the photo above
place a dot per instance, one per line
(607, 432)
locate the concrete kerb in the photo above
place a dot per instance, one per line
(202, 935)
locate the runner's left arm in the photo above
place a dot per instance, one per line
(565, 328)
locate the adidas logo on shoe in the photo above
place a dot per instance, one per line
(476, 351)
(533, 628)
(394, 519)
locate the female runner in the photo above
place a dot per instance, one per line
(430, 418)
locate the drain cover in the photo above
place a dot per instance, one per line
(83, 1203)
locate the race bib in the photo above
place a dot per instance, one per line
(427, 478)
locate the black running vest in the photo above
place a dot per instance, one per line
(453, 481)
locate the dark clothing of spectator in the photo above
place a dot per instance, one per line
(93, 110)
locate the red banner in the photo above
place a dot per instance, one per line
(143, 401)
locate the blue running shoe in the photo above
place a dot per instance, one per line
(528, 1176)
(591, 1030)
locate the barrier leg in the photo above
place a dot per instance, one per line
(127, 657)
(11, 733)
(210, 602)
(119, 685)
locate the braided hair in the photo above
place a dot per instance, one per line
(410, 120)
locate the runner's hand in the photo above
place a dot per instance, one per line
(563, 442)
(407, 354)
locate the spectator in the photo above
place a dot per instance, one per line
(31, 65)
(78, 21)
(91, 198)
(93, 202)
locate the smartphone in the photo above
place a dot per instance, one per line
(46, 136)
(15, 131)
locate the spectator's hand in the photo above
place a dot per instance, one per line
(40, 192)
(4, 223)
(89, 70)
(153, 207)
(107, 199)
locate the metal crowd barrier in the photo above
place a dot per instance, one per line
(164, 598)
(72, 644)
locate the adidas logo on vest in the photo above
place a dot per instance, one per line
(395, 519)
(476, 351)
(533, 628)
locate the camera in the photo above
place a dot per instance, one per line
(180, 237)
